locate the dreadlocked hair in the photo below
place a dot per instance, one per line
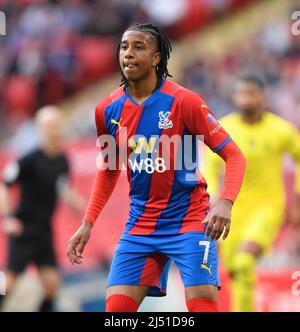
(164, 47)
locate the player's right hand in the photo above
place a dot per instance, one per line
(12, 226)
(78, 242)
(218, 220)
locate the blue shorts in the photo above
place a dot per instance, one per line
(144, 260)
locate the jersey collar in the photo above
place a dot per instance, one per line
(150, 99)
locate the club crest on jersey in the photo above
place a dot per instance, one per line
(212, 119)
(164, 122)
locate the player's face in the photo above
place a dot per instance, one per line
(138, 55)
(51, 129)
(248, 97)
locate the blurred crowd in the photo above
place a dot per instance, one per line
(54, 48)
(273, 52)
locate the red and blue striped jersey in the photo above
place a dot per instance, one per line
(164, 200)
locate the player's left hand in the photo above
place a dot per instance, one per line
(218, 219)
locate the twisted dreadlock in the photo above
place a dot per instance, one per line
(163, 47)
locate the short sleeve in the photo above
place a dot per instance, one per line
(199, 120)
(17, 170)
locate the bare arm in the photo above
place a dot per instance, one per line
(70, 196)
(11, 225)
(5, 201)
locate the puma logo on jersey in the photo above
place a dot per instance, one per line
(118, 123)
(164, 121)
(203, 266)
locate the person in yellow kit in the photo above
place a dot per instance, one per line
(258, 212)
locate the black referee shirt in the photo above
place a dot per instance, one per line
(39, 177)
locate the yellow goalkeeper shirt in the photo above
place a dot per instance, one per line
(264, 145)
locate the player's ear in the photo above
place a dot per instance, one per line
(156, 59)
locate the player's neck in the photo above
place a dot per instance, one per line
(253, 118)
(143, 89)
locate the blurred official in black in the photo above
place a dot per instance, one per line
(43, 177)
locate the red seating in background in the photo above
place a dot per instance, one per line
(54, 90)
(20, 96)
(198, 14)
(96, 58)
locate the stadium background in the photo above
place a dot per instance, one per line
(63, 52)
